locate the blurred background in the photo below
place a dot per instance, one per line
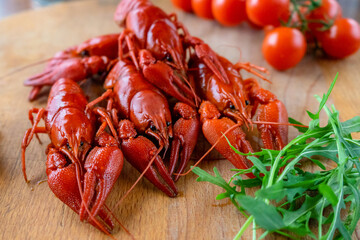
(351, 8)
(10, 7)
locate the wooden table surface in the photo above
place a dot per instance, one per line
(30, 211)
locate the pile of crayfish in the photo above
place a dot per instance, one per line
(162, 86)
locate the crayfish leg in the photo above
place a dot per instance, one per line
(30, 134)
(128, 37)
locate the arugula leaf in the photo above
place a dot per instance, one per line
(316, 191)
(354, 212)
(328, 193)
(266, 216)
(275, 192)
(310, 203)
(352, 125)
(258, 164)
(247, 183)
(323, 100)
(217, 180)
(300, 129)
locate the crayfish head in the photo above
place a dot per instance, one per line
(125, 7)
(72, 129)
(105, 45)
(161, 130)
(96, 64)
(239, 109)
(150, 114)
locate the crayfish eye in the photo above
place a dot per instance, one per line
(168, 123)
(168, 57)
(84, 53)
(81, 143)
(68, 146)
(231, 106)
(247, 102)
(153, 128)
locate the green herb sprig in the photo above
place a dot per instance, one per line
(275, 206)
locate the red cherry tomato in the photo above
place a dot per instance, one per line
(284, 47)
(202, 8)
(183, 4)
(229, 12)
(329, 10)
(267, 12)
(342, 39)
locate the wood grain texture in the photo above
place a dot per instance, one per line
(30, 211)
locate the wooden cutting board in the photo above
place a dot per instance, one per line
(30, 211)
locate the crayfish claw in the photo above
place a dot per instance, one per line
(103, 166)
(215, 128)
(170, 80)
(271, 115)
(210, 58)
(105, 217)
(63, 182)
(140, 151)
(186, 131)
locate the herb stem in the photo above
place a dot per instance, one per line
(244, 227)
(342, 162)
(254, 230)
(321, 218)
(278, 159)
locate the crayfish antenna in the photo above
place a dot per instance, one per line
(196, 97)
(140, 177)
(19, 69)
(280, 123)
(118, 221)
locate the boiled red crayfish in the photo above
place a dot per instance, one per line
(81, 167)
(153, 59)
(238, 102)
(145, 106)
(90, 58)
